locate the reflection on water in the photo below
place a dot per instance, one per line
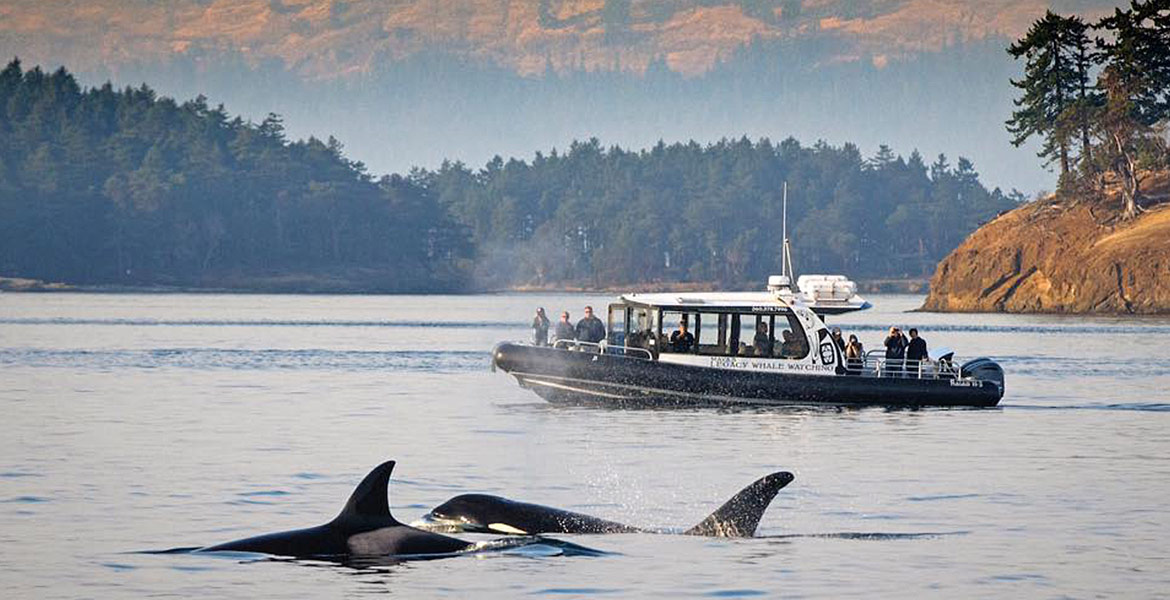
(163, 421)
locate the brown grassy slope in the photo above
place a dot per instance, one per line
(1043, 257)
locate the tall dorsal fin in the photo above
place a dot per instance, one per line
(739, 516)
(369, 499)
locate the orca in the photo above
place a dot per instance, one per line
(482, 513)
(364, 527)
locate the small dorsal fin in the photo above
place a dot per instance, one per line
(370, 499)
(739, 516)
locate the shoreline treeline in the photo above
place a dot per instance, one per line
(1098, 95)
(687, 212)
(108, 186)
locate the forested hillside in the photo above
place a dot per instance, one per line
(685, 212)
(106, 186)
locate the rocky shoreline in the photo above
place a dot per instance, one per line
(1057, 256)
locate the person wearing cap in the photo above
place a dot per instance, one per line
(837, 339)
(540, 326)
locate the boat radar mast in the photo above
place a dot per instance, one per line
(786, 270)
(825, 294)
(782, 283)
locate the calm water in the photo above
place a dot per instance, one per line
(143, 422)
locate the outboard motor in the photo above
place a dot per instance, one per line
(984, 369)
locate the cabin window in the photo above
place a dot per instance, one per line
(790, 341)
(712, 334)
(616, 325)
(670, 324)
(753, 334)
(772, 336)
(738, 334)
(640, 328)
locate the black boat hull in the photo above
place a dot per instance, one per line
(560, 375)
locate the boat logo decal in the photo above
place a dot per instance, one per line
(828, 356)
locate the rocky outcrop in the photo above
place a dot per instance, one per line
(1052, 257)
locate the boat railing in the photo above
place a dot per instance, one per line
(875, 364)
(603, 347)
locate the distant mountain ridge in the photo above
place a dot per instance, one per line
(323, 39)
(408, 83)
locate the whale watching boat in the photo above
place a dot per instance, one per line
(767, 347)
(752, 348)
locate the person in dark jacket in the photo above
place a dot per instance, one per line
(854, 355)
(915, 351)
(682, 340)
(590, 328)
(837, 339)
(564, 330)
(540, 326)
(895, 351)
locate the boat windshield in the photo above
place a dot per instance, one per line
(632, 326)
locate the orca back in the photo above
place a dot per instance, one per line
(363, 527)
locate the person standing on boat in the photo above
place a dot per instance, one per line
(590, 328)
(564, 330)
(915, 351)
(854, 355)
(540, 326)
(837, 339)
(895, 351)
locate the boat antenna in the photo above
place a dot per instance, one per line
(786, 250)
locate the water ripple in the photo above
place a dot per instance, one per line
(247, 359)
(140, 322)
(25, 500)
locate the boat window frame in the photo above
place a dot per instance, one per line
(720, 347)
(622, 309)
(788, 319)
(645, 338)
(671, 316)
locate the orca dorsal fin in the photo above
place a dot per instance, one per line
(370, 498)
(739, 516)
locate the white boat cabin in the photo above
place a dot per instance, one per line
(773, 330)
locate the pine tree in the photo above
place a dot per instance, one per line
(1136, 82)
(883, 159)
(1088, 98)
(1051, 81)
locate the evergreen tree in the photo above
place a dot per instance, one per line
(883, 159)
(1050, 84)
(1136, 83)
(1088, 98)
